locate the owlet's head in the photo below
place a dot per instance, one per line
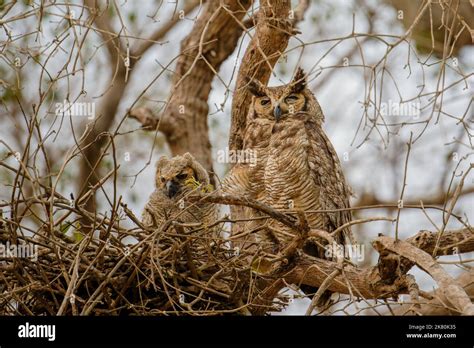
(178, 175)
(276, 103)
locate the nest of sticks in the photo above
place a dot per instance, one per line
(111, 270)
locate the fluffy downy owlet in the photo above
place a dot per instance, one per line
(177, 179)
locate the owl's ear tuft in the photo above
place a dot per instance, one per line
(189, 158)
(255, 87)
(164, 160)
(299, 81)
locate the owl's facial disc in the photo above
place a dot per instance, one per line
(175, 183)
(288, 105)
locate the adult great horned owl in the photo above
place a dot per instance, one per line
(302, 170)
(297, 166)
(176, 179)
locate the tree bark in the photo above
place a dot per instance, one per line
(384, 280)
(213, 38)
(273, 31)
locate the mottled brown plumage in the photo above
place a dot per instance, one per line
(176, 180)
(245, 178)
(303, 172)
(297, 166)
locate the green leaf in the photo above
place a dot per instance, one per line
(64, 227)
(78, 236)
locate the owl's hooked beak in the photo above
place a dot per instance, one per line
(172, 188)
(277, 112)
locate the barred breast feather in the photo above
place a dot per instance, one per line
(303, 172)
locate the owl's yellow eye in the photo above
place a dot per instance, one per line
(264, 101)
(291, 98)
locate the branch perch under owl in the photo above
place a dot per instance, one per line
(146, 274)
(370, 283)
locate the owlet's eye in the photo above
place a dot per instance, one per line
(264, 101)
(162, 179)
(291, 98)
(181, 176)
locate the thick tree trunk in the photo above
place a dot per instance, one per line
(273, 31)
(212, 39)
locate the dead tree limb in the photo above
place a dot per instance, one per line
(453, 291)
(373, 282)
(439, 303)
